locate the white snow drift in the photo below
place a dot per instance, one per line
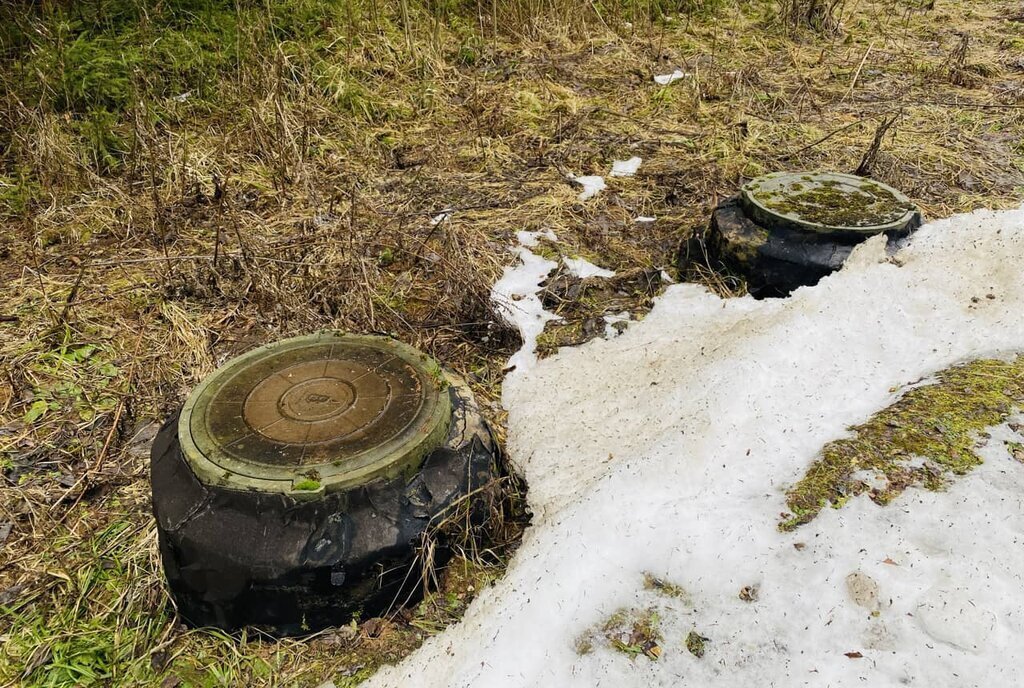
(668, 450)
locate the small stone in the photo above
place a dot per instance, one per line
(373, 627)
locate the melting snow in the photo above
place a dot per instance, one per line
(625, 168)
(610, 321)
(583, 268)
(668, 450)
(439, 218)
(531, 239)
(515, 296)
(592, 185)
(666, 79)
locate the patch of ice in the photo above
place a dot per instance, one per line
(516, 297)
(666, 79)
(645, 218)
(668, 449)
(592, 185)
(625, 168)
(583, 268)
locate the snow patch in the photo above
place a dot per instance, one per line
(532, 239)
(645, 218)
(666, 79)
(610, 329)
(516, 296)
(625, 168)
(668, 449)
(440, 217)
(583, 268)
(592, 185)
(875, 480)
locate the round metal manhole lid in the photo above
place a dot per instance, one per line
(826, 202)
(321, 412)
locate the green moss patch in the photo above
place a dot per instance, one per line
(939, 422)
(665, 587)
(831, 205)
(696, 644)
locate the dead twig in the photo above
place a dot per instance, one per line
(867, 163)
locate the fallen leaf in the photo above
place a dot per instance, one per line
(854, 655)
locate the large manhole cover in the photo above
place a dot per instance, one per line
(292, 488)
(790, 229)
(332, 410)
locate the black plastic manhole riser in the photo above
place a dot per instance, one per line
(789, 229)
(292, 486)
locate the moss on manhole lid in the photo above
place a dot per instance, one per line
(321, 412)
(826, 202)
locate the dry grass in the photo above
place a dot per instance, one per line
(284, 205)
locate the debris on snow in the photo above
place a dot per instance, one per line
(696, 644)
(625, 168)
(583, 268)
(668, 449)
(748, 593)
(863, 590)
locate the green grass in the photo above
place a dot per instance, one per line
(633, 632)
(97, 616)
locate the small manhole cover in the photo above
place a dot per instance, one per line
(826, 202)
(790, 229)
